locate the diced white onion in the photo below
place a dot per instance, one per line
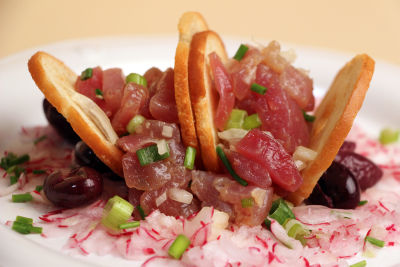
(161, 199)
(304, 154)
(259, 195)
(167, 131)
(301, 165)
(180, 195)
(162, 147)
(220, 221)
(232, 135)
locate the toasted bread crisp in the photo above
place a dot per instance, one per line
(203, 96)
(189, 24)
(57, 81)
(334, 118)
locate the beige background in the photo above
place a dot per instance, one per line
(370, 26)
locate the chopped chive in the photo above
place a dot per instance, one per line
(375, 242)
(136, 78)
(141, 212)
(98, 93)
(38, 171)
(241, 52)
(129, 225)
(225, 161)
(388, 136)
(251, 122)
(150, 154)
(86, 74)
(134, 123)
(190, 184)
(11, 159)
(362, 202)
(296, 230)
(13, 179)
(21, 228)
(23, 219)
(247, 202)
(36, 230)
(308, 117)
(20, 198)
(255, 87)
(190, 157)
(178, 247)
(117, 211)
(236, 119)
(267, 223)
(359, 264)
(39, 139)
(39, 188)
(280, 211)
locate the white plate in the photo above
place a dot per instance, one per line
(20, 104)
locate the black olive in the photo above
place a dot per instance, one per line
(72, 188)
(59, 123)
(85, 156)
(338, 188)
(363, 169)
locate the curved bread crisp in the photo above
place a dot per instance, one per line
(189, 24)
(334, 118)
(57, 81)
(204, 98)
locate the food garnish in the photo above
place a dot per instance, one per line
(116, 212)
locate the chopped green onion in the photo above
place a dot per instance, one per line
(388, 136)
(134, 123)
(362, 202)
(116, 212)
(23, 219)
(36, 230)
(24, 226)
(236, 119)
(280, 211)
(359, 264)
(38, 171)
(128, 225)
(247, 202)
(39, 139)
(136, 78)
(251, 122)
(296, 230)
(150, 154)
(21, 228)
(255, 87)
(308, 117)
(98, 93)
(225, 161)
(20, 198)
(375, 242)
(178, 247)
(39, 188)
(11, 159)
(267, 223)
(190, 157)
(141, 212)
(13, 179)
(241, 52)
(86, 74)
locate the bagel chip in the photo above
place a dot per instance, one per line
(57, 82)
(189, 24)
(334, 118)
(203, 96)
